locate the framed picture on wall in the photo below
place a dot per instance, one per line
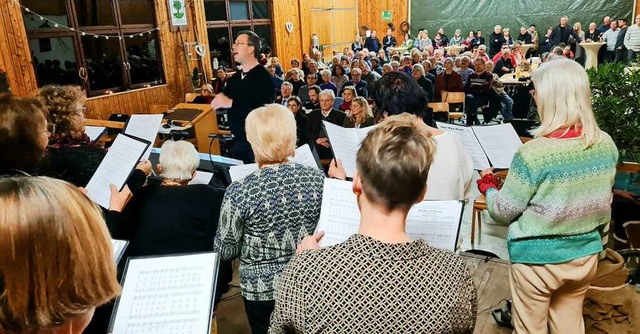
(178, 15)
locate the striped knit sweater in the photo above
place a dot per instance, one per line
(632, 38)
(556, 197)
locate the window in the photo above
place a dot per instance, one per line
(113, 61)
(225, 18)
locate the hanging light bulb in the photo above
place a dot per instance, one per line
(83, 33)
(55, 25)
(106, 37)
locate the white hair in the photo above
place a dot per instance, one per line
(286, 83)
(327, 92)
(419, 68)
(325, 72)
(563, 96)
(179, 159)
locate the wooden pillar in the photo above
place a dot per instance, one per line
(15, 57)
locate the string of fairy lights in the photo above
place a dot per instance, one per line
(86, 33)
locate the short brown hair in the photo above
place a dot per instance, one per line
(20, 118)
(393, 162)
(62, 103)
(56, 260)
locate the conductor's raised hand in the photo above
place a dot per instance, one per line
(221, 101)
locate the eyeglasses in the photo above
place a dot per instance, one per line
(238, 43)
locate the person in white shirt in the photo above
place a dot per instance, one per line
(611, 37)
(632, 40)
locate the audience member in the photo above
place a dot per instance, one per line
(357, 44)
(468, 42)
(504, 64)
(314, 98)
(277, 81)
(339, 77)
(360, 115)
(506, 33)
(24, 134)
(295, 81)
(386, 68)
(478, 41)
(397, 149)
(303, 92)
(220, 81)
(315, 128)
(611, 38)
(424, 83)
(464, 69)
(360, 85)
(554, 237)
(457, 38)
(429, 72)
(620, 49)
(388, 41)
(448, 81)
(496, 41)
(507, 102)
(260, 227)
(372, 43)
(480, 94)
(632, 40)
(56, 259)
(286, 90)
(593, 34)
(275, 62)
(206, 94)
(295, 105)
(535, 40)
(368, 76)
(348, 94)
(606, 24)
(575, 46)
(423, 40)
(562, 32)
(482, 53)
(524, 36)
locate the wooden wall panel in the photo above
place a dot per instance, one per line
(287, 45)
(15, 57)
(370, 14)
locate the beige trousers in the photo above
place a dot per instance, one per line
(548, 298)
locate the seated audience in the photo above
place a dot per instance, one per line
(448, 81)
(277, 81)
(339, 77)
(295, 105)
(286, 91)
(265, 215)
(206, 94)
(369, 76)
(482, 53)
(220, 81)
(315, 128)
(24, 134)
(524, 36)
(556, 199)
(295, 79)
(424, 83)
(386, 68)
(504, 65)
(303, 92)
(480, 94)
(429, 72)
(275, 62)
(360, 85)
(407, 65)
(314, 98)
(348, 94)
(375, 65)
(347, 287)
(326, 81)
(593, 34)
(478, 41)
(360, 115)
(57, 263)
(498, 87)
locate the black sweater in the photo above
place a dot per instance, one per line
(161, 220)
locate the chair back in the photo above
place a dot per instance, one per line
(189, 97)
(439, 106)
(453, 97)
(337, 102)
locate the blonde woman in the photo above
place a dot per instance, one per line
(556, 199)
(56, 262)
(360, 115)
(265, 215)
(578, 50)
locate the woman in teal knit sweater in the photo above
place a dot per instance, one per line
(556, 199)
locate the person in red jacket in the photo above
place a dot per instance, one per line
(448, 80)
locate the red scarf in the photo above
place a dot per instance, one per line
(566, 133)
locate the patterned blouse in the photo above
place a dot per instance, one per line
(263, 218)
(366, 286)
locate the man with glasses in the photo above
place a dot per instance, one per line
(249, 88)
(315, 128)
(303, 93)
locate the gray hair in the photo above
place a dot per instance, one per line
(286, 83)
(482, 47)
(327, 92)
(419, 68)
(325, 72)
(387, 65)
(178, 159)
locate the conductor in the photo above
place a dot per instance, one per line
(246, 90)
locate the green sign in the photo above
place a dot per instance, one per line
(386, 15)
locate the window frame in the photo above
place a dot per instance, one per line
(117, 30)
(251, 22)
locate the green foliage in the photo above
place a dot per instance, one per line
(616, 105)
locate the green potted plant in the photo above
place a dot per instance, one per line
(616, 104)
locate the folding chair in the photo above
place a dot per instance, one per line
(439, 107)
(454, 98)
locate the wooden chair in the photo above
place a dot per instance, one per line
(479, 205)
(105, 138)
(454, 98)
(189, 97)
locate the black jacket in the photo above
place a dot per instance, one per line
(620, 40)
(561, 35)
(388, 42)
(496, 41)
(427, 86)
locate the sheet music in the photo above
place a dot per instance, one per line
(305, 157)
(118, 248)
(122, 157)
(94, 132)
(144, 127)
(500, 143)
(436, 222)
(218, 158)
(201, 178)
(345, 143)
(470, 143)
(167, 294)
(239, 172)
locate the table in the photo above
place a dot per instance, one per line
(458, 48)
(491, 278)
(591, 49)
(519, 93)
(525, 48)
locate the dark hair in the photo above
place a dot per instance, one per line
(375, 59)
(397, 92)
(19, 121)
(623, 20)
(532, 25)
(333, 71)
(253, 40)
(295, 99)
(316, 88)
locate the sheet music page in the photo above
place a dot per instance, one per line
(217, 158)
(167, 294)
(362, 133)
(118, 248)
(436, 222)
(239, 172)
(115, 168)
(470, 143)
(144, 127)
(500, 142)
(201, 178)
(305, 157)
(339, 214)
(345, 144)
(94, 132)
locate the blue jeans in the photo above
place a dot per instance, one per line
(507, 106)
